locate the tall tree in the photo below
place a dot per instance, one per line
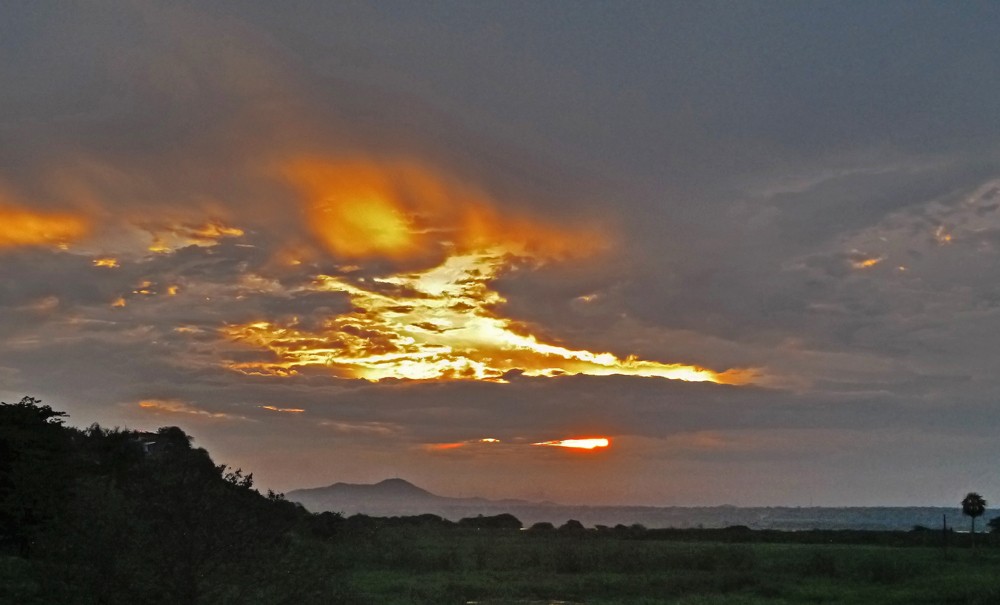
(973, 505)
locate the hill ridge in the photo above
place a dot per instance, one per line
(399, 497)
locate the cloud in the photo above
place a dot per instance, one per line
(178, 407)
(282, 410)
(436, 324)
(23, 227)
(374, 429)
(403, 209)
(712, 202)
(588, 443)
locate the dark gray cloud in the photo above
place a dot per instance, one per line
(807, 190)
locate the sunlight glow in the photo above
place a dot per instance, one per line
(20, 227)
(402, 209)
(437, 324)
(441, 447)
(170, 237)
(441, 322)
(584, 444)
(272, 408)
(866, 262)
(941, 236)
(176, 406)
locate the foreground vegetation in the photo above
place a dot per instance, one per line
(401, 565)
(99, 516)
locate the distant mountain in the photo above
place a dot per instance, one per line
(398, 497)
(387, 488)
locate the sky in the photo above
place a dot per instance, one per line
(754, 246)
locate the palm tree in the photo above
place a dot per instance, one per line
(973, 505)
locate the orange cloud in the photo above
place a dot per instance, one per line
(443, 447)
(284, 410)
(405, 210)
(167, 238)
(438, 324)
(590, 443)
(440, 447)
(21, 227)
(941, 235)
(583, 444)
(859, 259)
(176, 406)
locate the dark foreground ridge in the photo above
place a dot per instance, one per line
(397, 497)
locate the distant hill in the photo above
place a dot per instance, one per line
(398, 497)
(387, 488)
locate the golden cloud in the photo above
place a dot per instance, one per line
(588, 443)
(22, 227)
(170, 237)
(866, 263)
(582, 443)
(273, 408)
(404, 210)
(176, 406)
(437, 324)
(444, 447)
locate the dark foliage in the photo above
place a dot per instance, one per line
(973, 505)
(114, 516)
(572, 527)
(542, 527)
(502, 521)
(35, 472)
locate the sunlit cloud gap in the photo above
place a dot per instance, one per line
(440, 323)
(434, 324)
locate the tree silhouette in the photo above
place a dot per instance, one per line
(35, 475)
(115, 517)
(973, 505)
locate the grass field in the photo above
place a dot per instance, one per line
(400, 566)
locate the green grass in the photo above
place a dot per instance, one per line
(418, 565)
(402, 567)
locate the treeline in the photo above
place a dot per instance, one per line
(110, 516)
